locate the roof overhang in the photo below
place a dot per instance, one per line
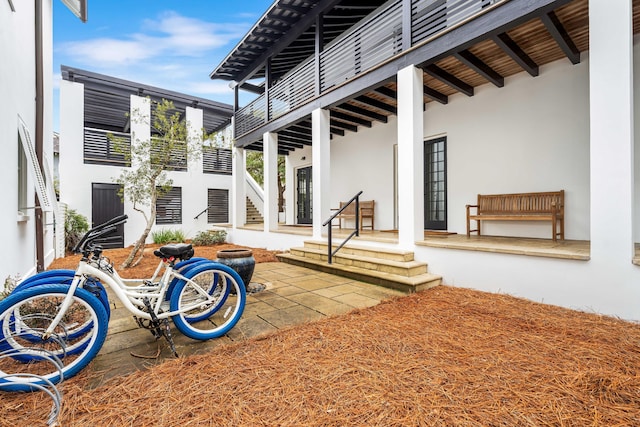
(285, 35)
(107, 100)
(78, 8)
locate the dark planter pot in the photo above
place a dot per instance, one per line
(240, 260)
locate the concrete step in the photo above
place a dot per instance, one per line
(376, 263)
(365, 251)
(389, 268)
(253, 214)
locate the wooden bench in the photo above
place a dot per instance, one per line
(548, 206)
(367, 211)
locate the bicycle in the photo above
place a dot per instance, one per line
(66, 317)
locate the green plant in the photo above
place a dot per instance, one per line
(167, 236)
(153, 156)
(211, 237)
(9, 285)
(75, 225)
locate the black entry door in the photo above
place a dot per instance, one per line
(304, 196)
(435, 184)
(107, 204)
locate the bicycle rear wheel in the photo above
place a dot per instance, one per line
(211, 301)
(25, 315)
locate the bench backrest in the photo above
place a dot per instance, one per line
(546, 202)
(365, 205)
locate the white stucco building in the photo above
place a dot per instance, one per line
(93, 106)
(518, 96)
(26, 84)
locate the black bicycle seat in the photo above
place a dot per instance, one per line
(181, 251)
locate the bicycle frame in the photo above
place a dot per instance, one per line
(132, 297)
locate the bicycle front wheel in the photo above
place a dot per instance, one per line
(209, 303)
(35, 358)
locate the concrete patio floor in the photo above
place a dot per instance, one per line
(292, 296)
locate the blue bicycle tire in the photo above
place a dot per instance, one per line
(86, 300)
(188, 324)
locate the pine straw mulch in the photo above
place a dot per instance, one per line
(149, 262)
(444, 357)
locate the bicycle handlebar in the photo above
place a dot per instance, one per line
(99, 231)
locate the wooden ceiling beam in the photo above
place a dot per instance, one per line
(286, 143)
(449, 79)
(363, 112)
(343, 125)
(290, 136)
(336, 131)
(377, 104)
(349, 118)
(435, 95)
(512, 49)
(560, 35)
(473, 62)
(385, 91)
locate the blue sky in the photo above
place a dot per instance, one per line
(169, 44)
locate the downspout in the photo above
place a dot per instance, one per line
(39, 142)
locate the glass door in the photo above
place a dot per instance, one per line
(435, 184)
(304, 196)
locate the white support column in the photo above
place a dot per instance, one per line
(289, 191)
(140, 114)
(611, 112)
(270, 155)
(71, 145)
(194, 117)
(410, 157)
(238, 191)
(321, 170)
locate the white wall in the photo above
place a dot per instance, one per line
(17, 86)
(76, 177)
(531, 135)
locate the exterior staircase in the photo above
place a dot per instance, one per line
(253, 214)
(385, 267)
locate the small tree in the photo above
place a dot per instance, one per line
(147, 180)
(255, 167)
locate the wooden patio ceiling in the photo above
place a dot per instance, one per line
(562, 33)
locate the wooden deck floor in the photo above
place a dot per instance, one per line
(565, 249)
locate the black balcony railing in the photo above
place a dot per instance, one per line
(102, 147)
(374, 40)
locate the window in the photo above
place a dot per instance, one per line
(218, 206)
(169, 207)
(216, 160)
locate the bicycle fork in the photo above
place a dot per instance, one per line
(62, 309)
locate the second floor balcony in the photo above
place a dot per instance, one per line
(459, 44)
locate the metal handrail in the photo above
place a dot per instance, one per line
(356, 232)
(205, 209)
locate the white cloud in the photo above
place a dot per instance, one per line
(106, 51)
(170, 36)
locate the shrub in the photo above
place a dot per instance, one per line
(167, 236)
(75, 225)
(211, 237)
(9, 285)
